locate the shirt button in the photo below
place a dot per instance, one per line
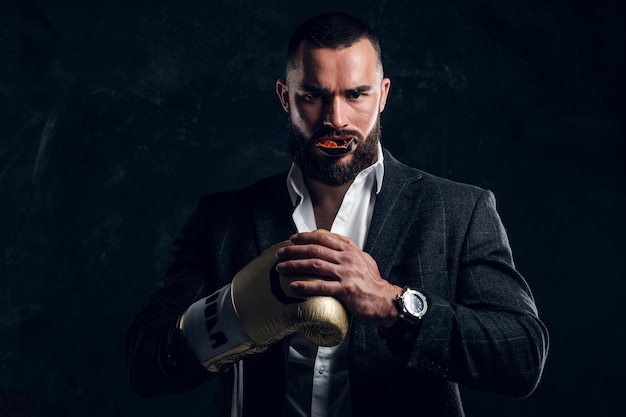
(321, 370)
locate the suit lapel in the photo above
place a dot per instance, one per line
(396, 205)
(271, 211)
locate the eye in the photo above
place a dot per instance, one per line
(354, 95)
(312, 96)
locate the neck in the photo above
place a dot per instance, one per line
(326, 201)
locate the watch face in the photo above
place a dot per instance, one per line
(413, 304)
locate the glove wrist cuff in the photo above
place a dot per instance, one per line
(211, 327)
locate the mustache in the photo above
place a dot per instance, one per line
(326, 132)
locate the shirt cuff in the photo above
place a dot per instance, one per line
(211, 326)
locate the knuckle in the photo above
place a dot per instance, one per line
(316, 251)
(317, 264)
(349, 289)
(345, 258)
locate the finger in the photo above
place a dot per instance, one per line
(306, 251)
(316, 267)
(347, 240)
(330, 240)
(316, 287)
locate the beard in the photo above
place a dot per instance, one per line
(332, 171)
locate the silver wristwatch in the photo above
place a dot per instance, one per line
(411, 305)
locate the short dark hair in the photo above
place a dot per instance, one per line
(334, 30)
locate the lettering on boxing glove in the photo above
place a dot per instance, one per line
(211, 327)
(210, 315)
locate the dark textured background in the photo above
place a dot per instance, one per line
(116, 115)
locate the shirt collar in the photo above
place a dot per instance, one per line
(297, 189)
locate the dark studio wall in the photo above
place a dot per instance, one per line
(115, 116)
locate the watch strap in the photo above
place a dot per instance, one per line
(406, 322)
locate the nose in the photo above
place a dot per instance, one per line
(335, 116)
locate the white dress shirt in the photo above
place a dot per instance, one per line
(327, 393)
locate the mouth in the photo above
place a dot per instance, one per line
(336, 145)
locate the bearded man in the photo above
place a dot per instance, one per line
(411, 292)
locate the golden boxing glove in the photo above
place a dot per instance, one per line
(266, 311)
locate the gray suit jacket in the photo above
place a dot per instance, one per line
(440, 237)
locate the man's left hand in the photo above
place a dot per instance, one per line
(348, 273)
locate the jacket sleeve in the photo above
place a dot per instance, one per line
(157, 359)
(488, 336)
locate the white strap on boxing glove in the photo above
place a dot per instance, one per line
(263, 306)
(212, 328)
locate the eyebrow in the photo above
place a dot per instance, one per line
(317, 89)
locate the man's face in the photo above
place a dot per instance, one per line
(334, 97)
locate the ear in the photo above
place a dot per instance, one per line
(384, 91)
(283, 94)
